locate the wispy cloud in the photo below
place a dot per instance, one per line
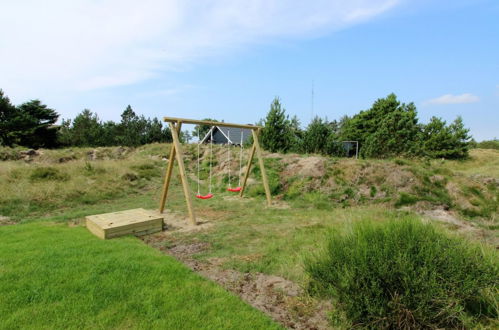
(83, 45)
(454, 99)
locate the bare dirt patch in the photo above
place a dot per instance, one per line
(6, 221)
(281, 299)
(462, 226)
(307, 167)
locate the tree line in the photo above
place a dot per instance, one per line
(33, 124)
(389, 128)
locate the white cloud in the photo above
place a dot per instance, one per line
(454, 99)
(83, 44)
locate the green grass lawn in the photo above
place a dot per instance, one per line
(55, 276)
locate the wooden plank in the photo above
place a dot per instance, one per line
(262, 167)
(183, 176)
(114, 224)
(248, 168)
(207, 122)
(168, 175)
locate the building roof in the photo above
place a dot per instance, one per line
(232, 134)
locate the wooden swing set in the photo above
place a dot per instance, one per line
(177, 154)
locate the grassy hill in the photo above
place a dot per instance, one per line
(313, 196)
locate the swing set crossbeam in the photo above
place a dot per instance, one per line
(177, 154)
(208, 122)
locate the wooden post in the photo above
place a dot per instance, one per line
(183, 176)
(168, 175)
(262, 166)
(248, 167)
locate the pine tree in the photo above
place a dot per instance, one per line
(7, 114)
(33, 125)
(440, 140)
(277, 135)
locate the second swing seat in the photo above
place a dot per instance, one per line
(237, 189)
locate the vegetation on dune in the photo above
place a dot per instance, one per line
(85, 282)
(488, 144)
(313, 196)
(405, 274)
(389, 128)
(67, 178)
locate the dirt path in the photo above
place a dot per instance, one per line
(281, 299)
(461, 226)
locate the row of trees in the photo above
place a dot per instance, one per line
(389, 128)
(32, 124)
(86, 129)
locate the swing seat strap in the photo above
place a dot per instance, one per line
(237, 189)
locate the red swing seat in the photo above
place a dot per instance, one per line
(204, 196)
(237, 189)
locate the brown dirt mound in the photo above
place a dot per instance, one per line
(313, 167)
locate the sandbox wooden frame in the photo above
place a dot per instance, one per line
(176, 153)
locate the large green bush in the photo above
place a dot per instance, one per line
(406, 274)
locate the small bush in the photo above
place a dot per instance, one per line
(406, 199)
(47, 173)
(406, 274)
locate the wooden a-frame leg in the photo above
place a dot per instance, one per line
(248, 168)
(183, 176)
(262, 166)
(168, 175)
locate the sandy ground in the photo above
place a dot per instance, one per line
(281, 299)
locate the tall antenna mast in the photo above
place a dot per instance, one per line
(312, 103)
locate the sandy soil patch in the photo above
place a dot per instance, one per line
(278, 297)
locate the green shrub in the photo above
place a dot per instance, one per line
(48, 173)
(406, 199)
(147, 171)
(405, 274)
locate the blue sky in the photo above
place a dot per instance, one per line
(229, 59)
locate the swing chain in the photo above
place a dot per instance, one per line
(228, 156)
(199, 178)
(211, 155)
(240, 159)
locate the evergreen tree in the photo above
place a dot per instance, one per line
(85, 131)
(277, 134)
(132, 128)
(7, 114)
(388, 128)
(445, 141)
(34, 125)
(316, 136)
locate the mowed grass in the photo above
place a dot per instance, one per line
(54, 276)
